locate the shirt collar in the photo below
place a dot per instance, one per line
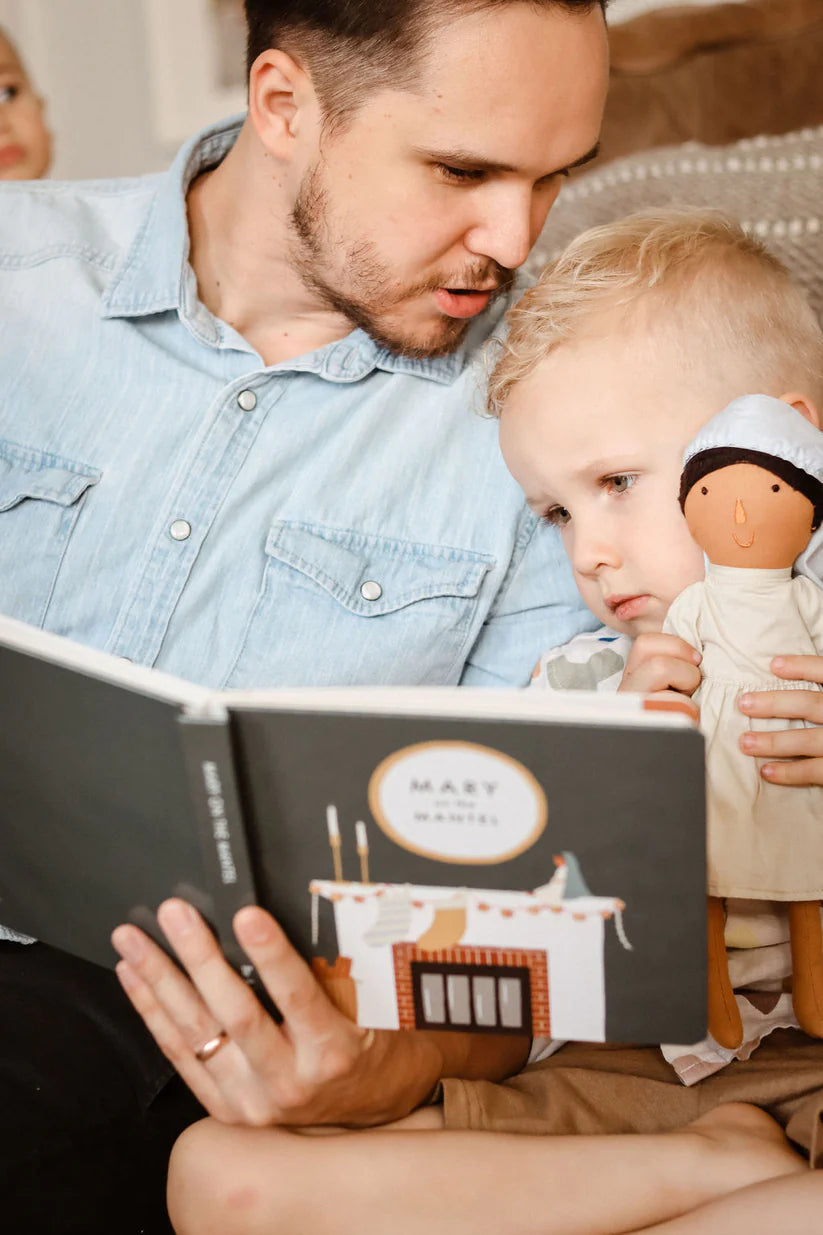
(155, 277)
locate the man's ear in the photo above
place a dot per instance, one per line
(282, 102)
(803, 404)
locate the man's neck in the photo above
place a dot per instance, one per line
(241, 245)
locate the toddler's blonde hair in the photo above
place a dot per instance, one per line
(700, 279)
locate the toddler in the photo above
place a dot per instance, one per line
(639, 334)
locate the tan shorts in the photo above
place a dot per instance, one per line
(599, 1089)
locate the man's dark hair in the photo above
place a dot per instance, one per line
(353, 47)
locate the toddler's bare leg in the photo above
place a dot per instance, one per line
(245, 1181)
(792, 1205)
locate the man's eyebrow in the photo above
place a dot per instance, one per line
(465, 159)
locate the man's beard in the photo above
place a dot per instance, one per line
(377, 292)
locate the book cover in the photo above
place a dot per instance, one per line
(454, 859)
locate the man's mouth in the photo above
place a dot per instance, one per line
(463, 301)
(625, 608)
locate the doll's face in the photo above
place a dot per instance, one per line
(744, 515)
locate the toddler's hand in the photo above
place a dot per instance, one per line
(661, 664)
(800, 749)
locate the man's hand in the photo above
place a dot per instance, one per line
(317, 1067)
(662, 665)
(801, 749)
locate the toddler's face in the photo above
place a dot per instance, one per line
(595, 437)
(25, 142)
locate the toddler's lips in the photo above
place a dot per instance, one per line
(625, 608)
(460, 303)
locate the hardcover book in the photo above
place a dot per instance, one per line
(508, 861)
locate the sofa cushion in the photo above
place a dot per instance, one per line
(714, 73)
(770, 184)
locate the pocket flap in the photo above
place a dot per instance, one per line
(372, 575)
(29, 473)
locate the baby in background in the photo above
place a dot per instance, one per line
(641, 332)
(25, 141)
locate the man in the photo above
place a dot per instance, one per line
(240, 444)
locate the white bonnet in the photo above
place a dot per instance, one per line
(759, 422)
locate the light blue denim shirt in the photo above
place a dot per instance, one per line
(344, 517)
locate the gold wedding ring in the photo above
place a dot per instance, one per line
(209, 1049)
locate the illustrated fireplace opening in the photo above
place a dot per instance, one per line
(481, 997)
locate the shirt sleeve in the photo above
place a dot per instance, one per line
(537, 607)
(809, 600)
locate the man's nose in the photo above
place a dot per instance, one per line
(506, 228)
(739, 512)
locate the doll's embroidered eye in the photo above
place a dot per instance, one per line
(775, 488)
(703, 489)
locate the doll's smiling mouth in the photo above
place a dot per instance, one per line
(744, 544)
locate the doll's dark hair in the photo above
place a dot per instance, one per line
(353, 47)
(707, 461)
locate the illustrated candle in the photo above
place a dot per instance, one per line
(334, 840)
(362, 850)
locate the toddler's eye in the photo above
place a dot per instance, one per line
(556, 516)
(8, 93)
(620, 483)
(775, 488)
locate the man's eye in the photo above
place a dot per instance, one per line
(459, 175)
(556, 516)
(620, 483)
(8, 93)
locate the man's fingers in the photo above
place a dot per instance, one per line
(224, 996)
(799, 668)
(783, 743)
(172, 1042)
(795, 772)
(288, 979)
(785, 704)
(168, 987)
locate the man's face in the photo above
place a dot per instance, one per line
(413, 216)
(25, 142)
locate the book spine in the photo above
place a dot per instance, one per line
(217, 810)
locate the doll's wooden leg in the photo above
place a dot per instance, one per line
(807, 965)
(725, 1024)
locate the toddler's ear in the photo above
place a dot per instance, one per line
(803, 404)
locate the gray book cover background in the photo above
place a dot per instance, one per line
(100, 821)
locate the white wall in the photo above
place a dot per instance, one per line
(90, 58)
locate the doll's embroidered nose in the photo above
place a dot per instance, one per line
(739, 512)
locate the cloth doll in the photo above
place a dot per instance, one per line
(752, 494)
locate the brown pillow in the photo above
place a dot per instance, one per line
(714, 74)
(770, 184)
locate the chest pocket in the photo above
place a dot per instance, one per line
(342, 607)
(40, 499)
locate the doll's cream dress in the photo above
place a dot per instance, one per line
(764, 841)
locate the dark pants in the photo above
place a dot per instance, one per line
(89, 1108)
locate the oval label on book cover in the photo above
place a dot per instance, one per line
(458, 802)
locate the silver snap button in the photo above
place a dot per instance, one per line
(247, 400)
(371, 590)
(180, 530)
